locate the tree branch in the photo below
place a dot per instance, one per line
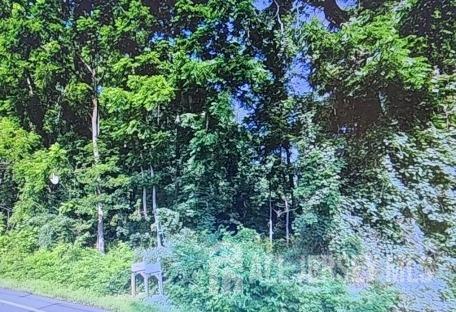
(333, 13)
(278, 17)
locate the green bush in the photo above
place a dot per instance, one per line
(239, 273)
(203, 273)
(66, 264)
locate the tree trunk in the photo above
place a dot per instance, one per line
(100, 229)
(144, 197)
(155, 208)
(287, 221)
(144, 201)
(270, 218)
(289, 206)
(96, 156)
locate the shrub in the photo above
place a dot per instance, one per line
(203, 273)
(238, 273)
(66, 264)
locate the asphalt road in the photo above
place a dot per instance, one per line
(16, 301)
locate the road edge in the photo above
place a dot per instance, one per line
(119, 303)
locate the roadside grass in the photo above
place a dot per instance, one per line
(115, 303)
(70, 272)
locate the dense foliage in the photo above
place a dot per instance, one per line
(237, 273)
(75, 267)
(328, 128)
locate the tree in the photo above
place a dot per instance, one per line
(379, 95)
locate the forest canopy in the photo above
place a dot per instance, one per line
(307, 127)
